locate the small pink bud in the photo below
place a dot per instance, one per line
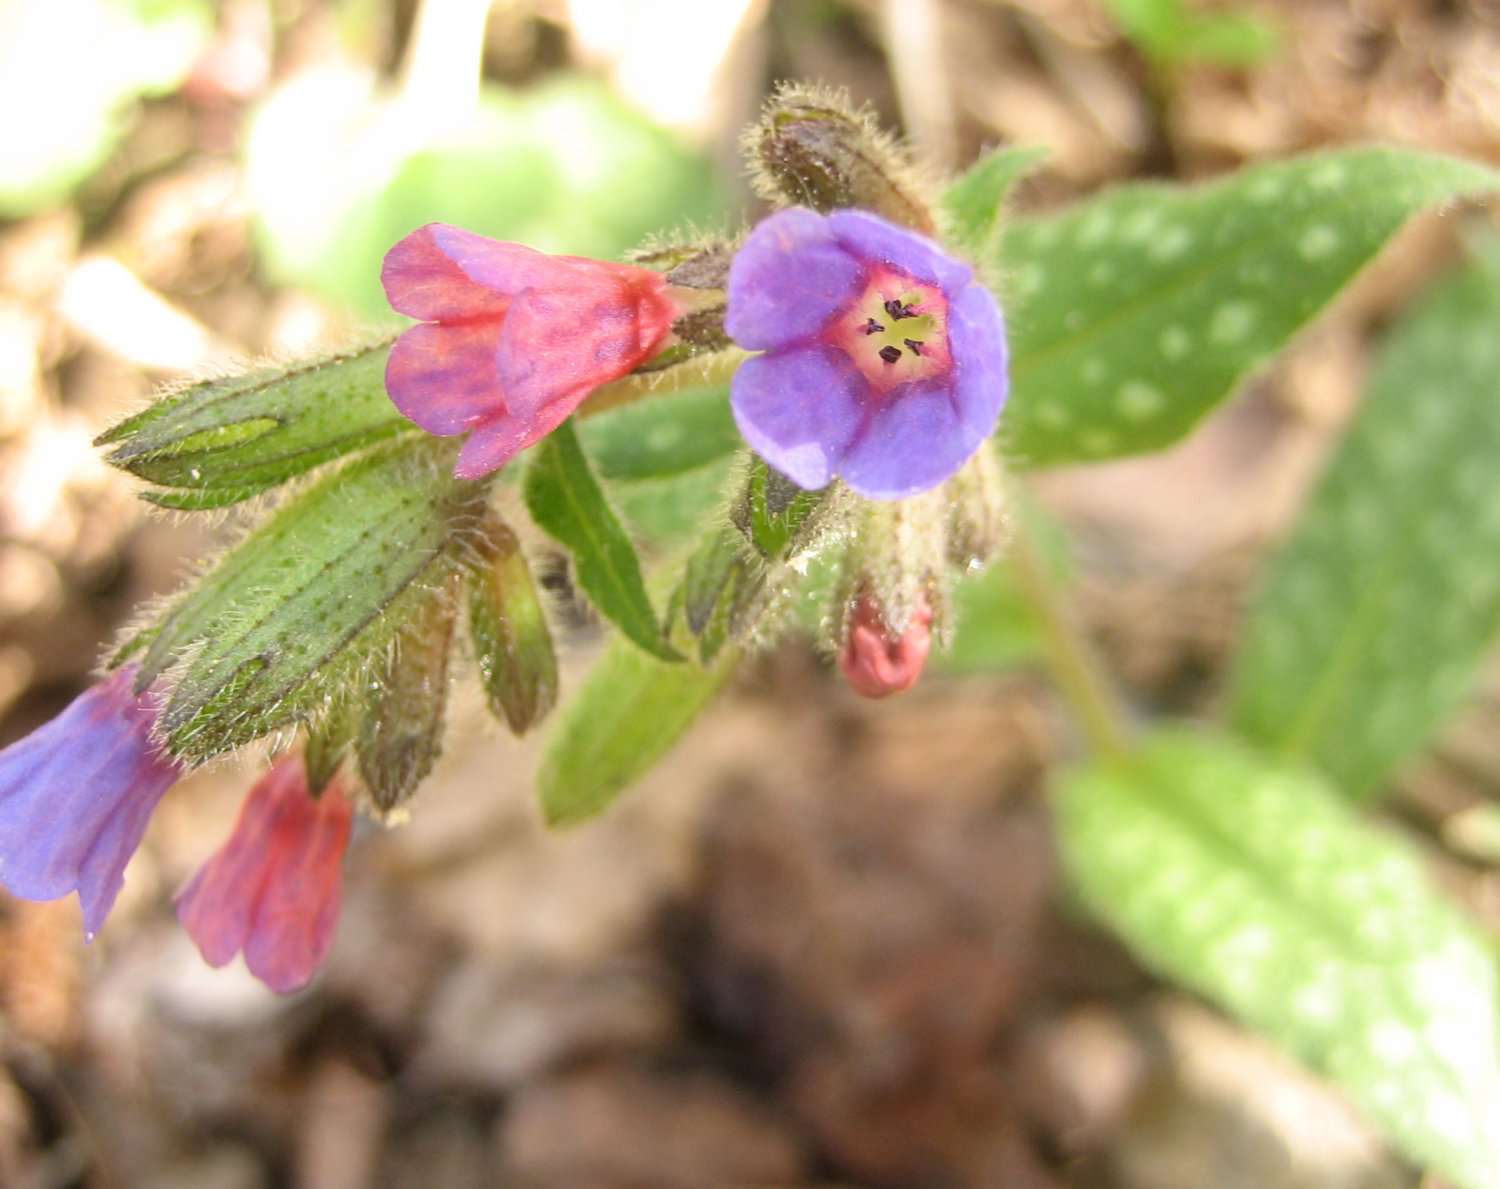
(878, 663)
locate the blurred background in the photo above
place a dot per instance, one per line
(823, 944)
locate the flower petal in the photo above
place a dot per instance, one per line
(298, 908)
(875, 241)
(76, 794)
(913, 442)
(800, 409)
(976, 344)
(788, 280)
(564, 342)
(494, 443)
(443, 377)
(441, 272)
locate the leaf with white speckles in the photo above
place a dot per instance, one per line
(1249, 881)
(1376, 614)
(1134, 314)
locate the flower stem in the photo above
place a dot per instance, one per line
(1071, 657)
(441, 74)
(703, 371)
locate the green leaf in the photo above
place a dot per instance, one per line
(1247, 880)
(223, 441)
(567, 502)
(1171, 33)
(673, 510)
(308, 601)
(972, 204)
(512, 643)
(401, 731)
(1375, 615)
(631, 710)
(662, 437)
(1137, 312)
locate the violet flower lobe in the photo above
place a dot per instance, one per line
(76, 794)
(512, 340)
(273, 889)
(884, 360)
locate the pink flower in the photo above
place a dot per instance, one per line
(876, 661)
(272, 890)
(512, 340)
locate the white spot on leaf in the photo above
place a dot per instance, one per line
(1140, 401)
(1232, 322)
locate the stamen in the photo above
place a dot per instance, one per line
(896, 310)
(913, 346)
(890, 354)
(873, 327)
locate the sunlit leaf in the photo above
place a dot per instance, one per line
(309, 600)
(1377, 612)
(1249, 881)
(1135, 313)
(222, 441)
(631, 710)
(567, 502)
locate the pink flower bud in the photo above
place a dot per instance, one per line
(878, 663)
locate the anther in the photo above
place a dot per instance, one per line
(913, 346)
(896, 310)
(873, 327)
(890, 354)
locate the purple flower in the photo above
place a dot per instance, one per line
(884, 360)
(75, 797)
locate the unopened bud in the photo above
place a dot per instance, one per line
(977, 527)
(878, 661)
(813, 149)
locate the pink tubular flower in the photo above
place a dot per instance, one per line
(76, 794)
(512, 340)
(272, 890)
(876, 662)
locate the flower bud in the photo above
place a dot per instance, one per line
(879, 661)
(813, 149)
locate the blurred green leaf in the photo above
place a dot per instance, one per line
(972, 204)
(339, 173)
(670, 511)
(1248, 881)
(663, 436)
(80, 63)
(305, 603)
(567, 502)
(222, 441)
(1171, 33)
(997, 627)
(1375, 615)
(629, 713)
(1137, 312)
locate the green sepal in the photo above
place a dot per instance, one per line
(774, 514)
(223, 441)
(401, 729)
(567, 502)
(508, 628)
(308, 601)
(328, 743)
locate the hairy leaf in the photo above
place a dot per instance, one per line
(631, 710)
(223, 441)
(1377, 612)
(508, 625)
(567, 502)
(1247, 880)
(1135, 313)
(306, 602)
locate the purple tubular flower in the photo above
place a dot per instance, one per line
(883, 359)
(75, 797)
